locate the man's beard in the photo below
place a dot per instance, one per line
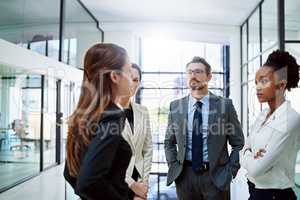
(197, 86)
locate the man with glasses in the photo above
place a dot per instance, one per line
(200, 126)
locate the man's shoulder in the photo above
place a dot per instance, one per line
(220, 98)
(179, 101)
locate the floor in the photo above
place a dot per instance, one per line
(50, 185)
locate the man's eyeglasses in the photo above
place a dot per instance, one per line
(195, 72)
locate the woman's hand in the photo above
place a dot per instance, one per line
(140, 189)
(259, 153)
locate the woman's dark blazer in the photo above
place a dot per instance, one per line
(104, 163)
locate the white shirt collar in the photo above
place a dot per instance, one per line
(120, 106)
(192, 100)
(283, 108)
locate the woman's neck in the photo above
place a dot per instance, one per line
(125, 102)
(275, 103)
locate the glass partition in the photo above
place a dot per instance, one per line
(28, 22)
(80, 33)
(35, 25)
(20, 117)
(49, 125)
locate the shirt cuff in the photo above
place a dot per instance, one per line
(129, 181)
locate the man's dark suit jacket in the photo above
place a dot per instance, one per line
(224, 128)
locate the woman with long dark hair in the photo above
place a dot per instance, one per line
(270, 153)
(97, 154)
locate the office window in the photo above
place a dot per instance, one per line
(294, 49)
(254, 37)
(258, 50)
(292, 20)
(269, 24)
(268, 52)
(244, 43)
(173, 55)
(254, 106)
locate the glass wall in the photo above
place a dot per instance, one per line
(28, 140)
(29, 24)
(70, 92)
(269, 26)
(269, 21)
(49, 125)
(254, 35)
(20, 117)
(164, 80)
(80, 32)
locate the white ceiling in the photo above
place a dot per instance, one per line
(219, 12)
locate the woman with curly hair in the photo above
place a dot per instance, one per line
(270, 152)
